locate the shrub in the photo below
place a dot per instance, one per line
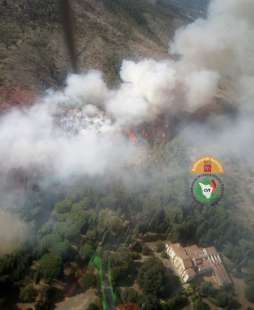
(249, 292)
(27, 293)
(50, 266)
(129, 295)
(89, 280)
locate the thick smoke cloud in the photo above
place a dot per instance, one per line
(58, 134)
(213, 52)
(216, 55)
(223, 45)
(80, 130)
(223, 42)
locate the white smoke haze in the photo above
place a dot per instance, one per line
(79, 131)
(13, 232)
(222, 138)
(147, 87)
(201, 87)
(213, 52)
(87, 88)
(222, 43)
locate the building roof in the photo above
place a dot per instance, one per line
(213, 255)
(198, 260)
(187, 263)
(179, 250)
(221, 274)
(190, 272)
(204, 266)
(211, 250)
(194, 251)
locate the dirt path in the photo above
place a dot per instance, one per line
(78, 302)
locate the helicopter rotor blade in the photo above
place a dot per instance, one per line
(68, 27)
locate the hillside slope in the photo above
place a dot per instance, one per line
(33, 53)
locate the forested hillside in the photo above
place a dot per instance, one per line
(114, 220)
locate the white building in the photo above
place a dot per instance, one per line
(193, 261)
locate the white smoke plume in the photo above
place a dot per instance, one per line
(216, 56)
(64, 133)
(222, 44)
(212, 51)
(79, 130)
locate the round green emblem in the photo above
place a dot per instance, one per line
(207, 189)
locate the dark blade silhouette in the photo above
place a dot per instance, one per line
(68, 27)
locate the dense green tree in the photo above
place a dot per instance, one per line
(207, 290)
(7, 263)
(198, 304)
(129, 295)
(184, 232)
(249, 292)
(91, 235)
(250, 270)
(149, 302)
(222, 299)
(177, 302)
(69, 230)
(15, 265)
(88, 280)
(50, 267)
(121, 263)
(63, 206)
(64, 250)
(86, 251)
(109, 220)
(48, 296)
(136, 246)
(55, 244)
(93, 306)
(154, 279)
(27, 293)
